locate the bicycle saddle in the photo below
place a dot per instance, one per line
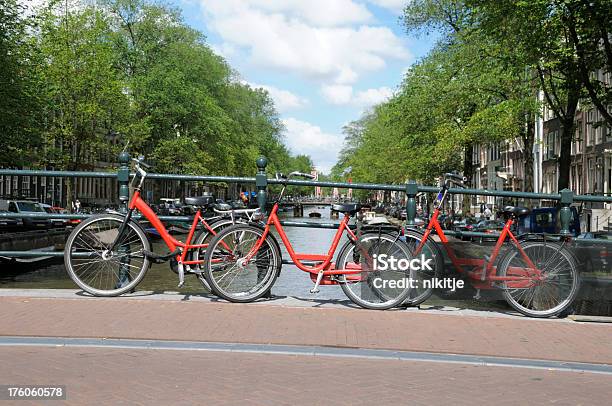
(350, 208)
(515, 211)
(200, 201)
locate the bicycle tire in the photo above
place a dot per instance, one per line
(204, 237)
(523, 298)
(220, 262)
(364, 293)
(419, 295)
(90, 237)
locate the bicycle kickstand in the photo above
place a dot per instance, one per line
(181, 273)
(316, 286)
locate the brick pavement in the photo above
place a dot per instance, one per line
(100, 376)
(177, 319)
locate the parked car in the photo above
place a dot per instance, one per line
(546, 220)
(56, 222)
(594, 251)
(26, 207)
(9, 224)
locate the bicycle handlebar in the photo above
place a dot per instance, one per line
(292, 174)
(140, 161)
(455, 177)
(302, 174)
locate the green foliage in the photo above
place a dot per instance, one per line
(20, 101)
(451, 99)
(85, 78)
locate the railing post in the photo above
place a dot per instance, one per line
(411, 191)
(261, 182)
(123, 178)
(565, 213)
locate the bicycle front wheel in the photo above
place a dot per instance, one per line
(229, 273)
(97, 269)
(374, 287)
(546, 291)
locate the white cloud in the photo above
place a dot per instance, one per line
(305, 138)
(371, 97)
(323, 13)
(397, 6)
(284, 100)
(344, 95)
(337, 94)
(322, 40)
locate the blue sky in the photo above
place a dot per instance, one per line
(324, 62)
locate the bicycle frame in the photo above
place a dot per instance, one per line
(482, 270)
(172, 243)
(324, 261)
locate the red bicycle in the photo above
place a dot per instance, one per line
(538, 277)
(244, 260)
(109, 254)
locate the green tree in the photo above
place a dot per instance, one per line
(20, 99)
(86, 98)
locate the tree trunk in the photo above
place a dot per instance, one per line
(567, 135)
(528, 140)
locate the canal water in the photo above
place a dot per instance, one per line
(292, 281)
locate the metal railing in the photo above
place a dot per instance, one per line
(565, 197)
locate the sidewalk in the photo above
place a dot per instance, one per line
(99, 375)
(176, 317)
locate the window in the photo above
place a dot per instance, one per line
(550, 145)
(544, 220)
(599, 128)
(476, 154)
(578, 149)
(25, 185)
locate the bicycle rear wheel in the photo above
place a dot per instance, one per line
(94, 267)
(373, 288)
(424, 277)
(551, 291)
(226, 270)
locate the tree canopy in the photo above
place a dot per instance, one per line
(480, 84)
(81, 79)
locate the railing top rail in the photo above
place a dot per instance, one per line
(340, 185)
(57, 174)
